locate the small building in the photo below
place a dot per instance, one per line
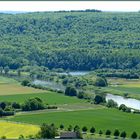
(68, 135)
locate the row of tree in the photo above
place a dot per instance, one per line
(9, 108)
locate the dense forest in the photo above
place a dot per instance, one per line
(70, 40)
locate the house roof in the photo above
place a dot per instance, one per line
(68, 135)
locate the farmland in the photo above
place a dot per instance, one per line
(48, 97)
(71, 110)
(101, 119)
(14, 130)
(9, 86)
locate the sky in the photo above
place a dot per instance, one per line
(31, 6)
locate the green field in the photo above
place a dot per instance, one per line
(130, 90)
(14, 130)
(100, 118)
(48, 97)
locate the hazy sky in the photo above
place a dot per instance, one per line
(69, 5)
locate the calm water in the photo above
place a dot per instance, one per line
(76, 73)
(132, 103)
(49, 84)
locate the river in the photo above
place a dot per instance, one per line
(49, 84)
(129, 102)
(75, 73)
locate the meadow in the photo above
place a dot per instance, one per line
(9, 86)
(121, 86)
(101, 119)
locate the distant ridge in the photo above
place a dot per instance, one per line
(13, 12)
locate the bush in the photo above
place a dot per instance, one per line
(111, 104)
(21, 137)
(108, 132)
(16, 105)
(3, 105)
(116, 133)
(80, 95)
(61, 126)
(52, 107)
(6, 113)
(123, 134)
(84, 129)
(100, 132)
(134, 135)
(3, 137)
(99, 99)
(70, 91)
(8, 108)
(70, 128)
(92, 130)
(47, 131)
(25, 83)
(33, 104)
(124, 108)
(101, 82)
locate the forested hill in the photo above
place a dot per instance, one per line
(70, 40)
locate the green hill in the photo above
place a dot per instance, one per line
(70, 40)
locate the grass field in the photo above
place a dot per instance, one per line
(12, 89)
(99, 118)
(48, 97)
(10, 86)
(14, 130)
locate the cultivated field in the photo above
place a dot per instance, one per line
(48, 97)
(9, 86)
(14, 130)
(101, 119)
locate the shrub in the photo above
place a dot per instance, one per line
(116, 133)
(100, 82)
(134, 135)
(70, 128)
(70, 91)
(3, 137)
(16, 105)
(52, 107)
(100, 132)
(47, 131)
(3, 105)
(99, 99)
(80, 95)
(21, 136)
(123, 134)
(61, 126)
(84, 129)
(111, 104)
(92, 130)
(108, 132)
(33, 104)
(25, 83)
(124, 108)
